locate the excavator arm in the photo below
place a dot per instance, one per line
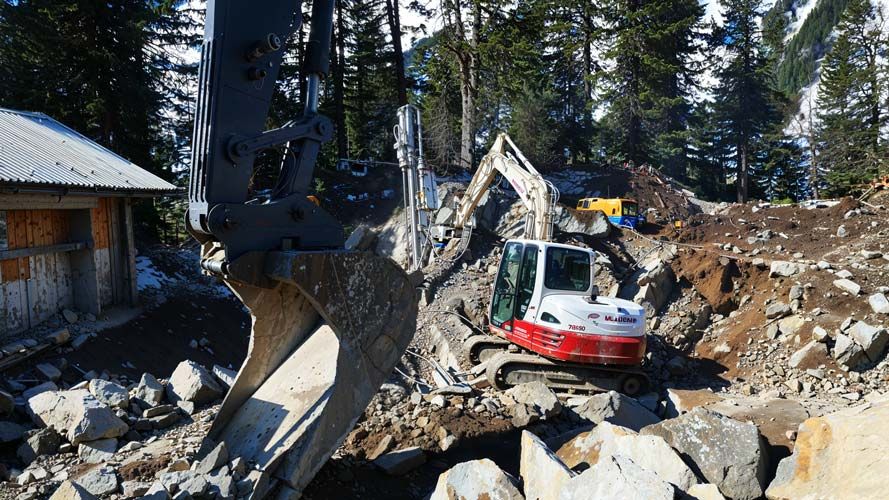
(328, 325)
(537, 194)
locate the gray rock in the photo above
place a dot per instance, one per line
(109, 393)
(617, 478)
(76, 414)
(225, 376)
(617, 409)
(475, 480)
(783, 268)
(98, 451)
(870, 338)
(157, 411)
(777, 310)
(400, 462)
(728, 453)
(214, 460)
(70, 316)
(843, 273)
(819, 334)
(847, 286)
(10, 432)
(99, 481)
(192, 382)
(195, 485)
(879, 303)
(156, 492)
(846, 352)
(72, 491)
(79, 340)
(37, 389)
(133, 489)
(543, 473)
(149, 392)
(38, 443)
(49, 371)
(809, 356)
(842, 232)
(536, 394)
(796, 293)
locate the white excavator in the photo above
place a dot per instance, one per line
(546, 318)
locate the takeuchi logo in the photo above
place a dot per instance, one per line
(620, 319)
(593, 316)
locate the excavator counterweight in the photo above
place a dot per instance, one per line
(328, 325)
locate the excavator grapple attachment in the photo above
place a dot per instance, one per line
(325, 337)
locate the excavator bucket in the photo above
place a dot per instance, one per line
(325, 337)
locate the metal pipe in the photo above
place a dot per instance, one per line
(313, 86)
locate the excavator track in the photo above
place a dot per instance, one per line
(506, 370)
(325, 337)
(480, 348)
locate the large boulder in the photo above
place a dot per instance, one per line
(649, 452)
(775, 419)
(38, 442)
(879, 303)
(810, 355)
(847, 352)
(535, 394)
(475, 480)
(841, 455)
(617, 478)
(111, 394)
(71, 491)
(782, 268)
(617, 409)
(76, 414)
(101, 481)
(871, 339)
(192, 382)
(681, 401)
(589, 223)
(149, 392)
(726, 452)
(543, 474)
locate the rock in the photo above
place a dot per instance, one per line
(164, 421)
(777, 310)
(840, 455)
(149, 392)
(650, 452)
(361, 239)
(841, 231)
(195, 485)
(728, 453)
(400, 462)
(783, 269)
(222, 486)
(191, 382)
(79, 340)
(847, 286)
(796, 293)
(791, 325)
(156, 492)
(705, 492)
(383, 446)
(847, 352)
(37, 389)
(213, 460)
(870, 254)
(819, 334)
(823, 265)
(538, 395)
(773, 417)
(7, 403)
(10, 432)
(225, 376)
(617, 409)
(69, 315)
(37, 443)
(843, 273)
(681, 401)
(158, 411)
(72, 491)
(98, 451)
(617, 478)
(49, 371)
(109, 393)
(543, 473)
(870, 338)
(879, 303)
(186, 406)
(77, 415)
(99, 481)
(475, 480)
(809, 356)
(133, 489)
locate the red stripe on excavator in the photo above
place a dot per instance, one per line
(575, 347)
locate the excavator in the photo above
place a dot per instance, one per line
(328, 325)
(546, 318)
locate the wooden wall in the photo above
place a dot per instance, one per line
(36, 287)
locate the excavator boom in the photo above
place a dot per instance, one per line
(328, 325)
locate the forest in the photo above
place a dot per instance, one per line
(707, 99)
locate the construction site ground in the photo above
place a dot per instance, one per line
(711, 331)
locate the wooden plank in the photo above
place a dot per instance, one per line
(21, 228)
(63, 280)
(103, 271)
(130, 250)
(43, 250)
(21, 201)
(29, 227)
(14, 306)
(3, 323)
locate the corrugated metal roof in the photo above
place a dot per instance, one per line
(35, 149)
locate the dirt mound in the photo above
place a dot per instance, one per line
(711, 275)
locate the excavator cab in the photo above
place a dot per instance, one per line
(329, 325)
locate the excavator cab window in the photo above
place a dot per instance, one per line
(629, 209)
(503, 302)
(567, 269)
(526, 280)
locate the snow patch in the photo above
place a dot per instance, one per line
(147, 276)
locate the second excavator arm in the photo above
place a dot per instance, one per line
(537, 194)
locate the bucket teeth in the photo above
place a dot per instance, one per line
(324, 339)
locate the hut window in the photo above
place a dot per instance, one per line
(4, 240)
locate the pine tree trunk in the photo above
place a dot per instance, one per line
(339, 59)
(397, 54)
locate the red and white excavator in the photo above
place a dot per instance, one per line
(544, 302)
